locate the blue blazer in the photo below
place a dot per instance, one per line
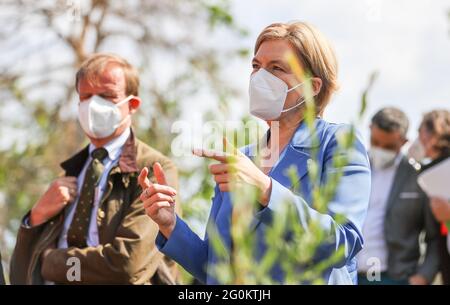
(197, 255)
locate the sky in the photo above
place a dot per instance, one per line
(406, 42)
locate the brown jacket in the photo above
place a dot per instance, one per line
(127, 253)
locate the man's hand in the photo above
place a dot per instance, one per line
(417, 279)
(61, 192)
(158, 199)
(440, 208)
(236, 168)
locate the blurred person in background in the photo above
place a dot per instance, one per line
(433, 147)
(398, 211)
(2, 277)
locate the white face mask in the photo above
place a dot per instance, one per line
(99, 117)
(381, 158)
(268, 95)
(416, 151)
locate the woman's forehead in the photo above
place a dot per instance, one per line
(273, 50)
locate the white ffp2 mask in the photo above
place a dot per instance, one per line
(99, 117)
(416, 151)
(268, 94)
(381, 158)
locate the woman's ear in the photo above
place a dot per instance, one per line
(316, 85)
(134, 104)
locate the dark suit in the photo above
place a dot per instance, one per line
(444, 255)
(408, 213)
(2, 278)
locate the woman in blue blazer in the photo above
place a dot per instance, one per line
(277, 97)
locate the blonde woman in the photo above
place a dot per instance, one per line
(277, 97)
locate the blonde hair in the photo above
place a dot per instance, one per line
(314, 52)
(95, 64)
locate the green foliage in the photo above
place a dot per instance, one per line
(372, 80)
(219, 14)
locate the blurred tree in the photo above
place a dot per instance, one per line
(43, 43)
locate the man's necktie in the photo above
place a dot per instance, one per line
(78, 231)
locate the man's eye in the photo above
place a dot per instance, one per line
(278, 68)
(255, 66)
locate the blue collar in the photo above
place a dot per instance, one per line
(302, 137)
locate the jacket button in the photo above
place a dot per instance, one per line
(101, 214)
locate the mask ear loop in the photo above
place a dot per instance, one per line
(298, 104)
(127, 99)
(295, 87)
(295, 106)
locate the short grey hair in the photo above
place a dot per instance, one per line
(391, 119)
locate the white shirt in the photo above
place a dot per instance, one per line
(114, 148)
(374, 253)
